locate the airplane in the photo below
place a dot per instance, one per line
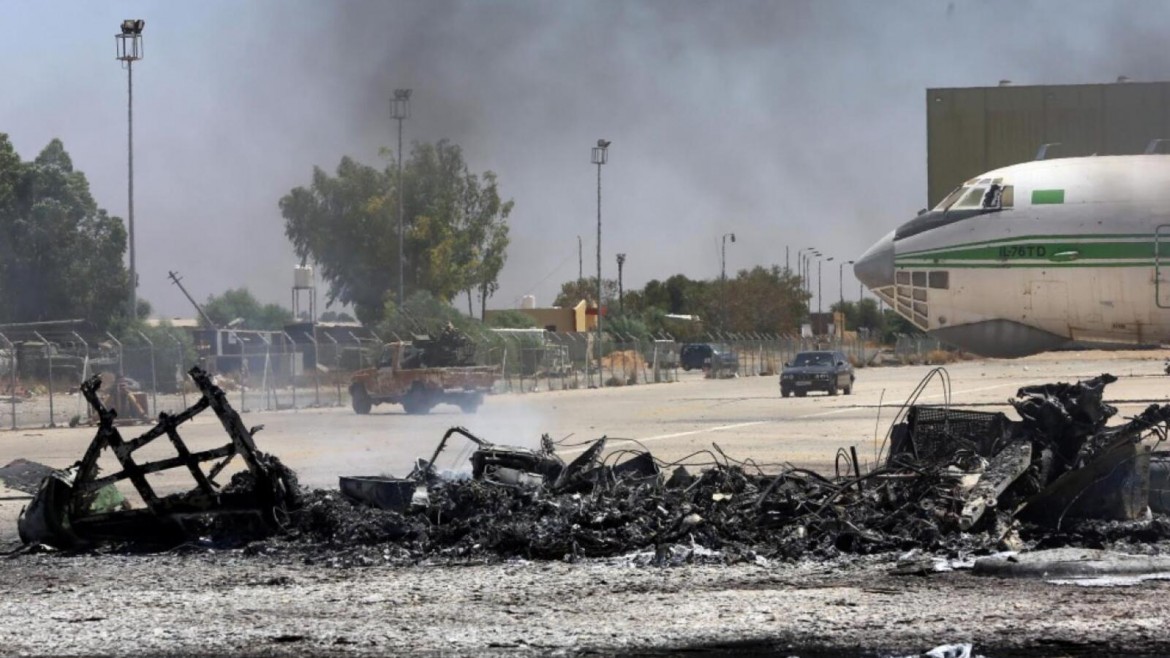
(1036, 256)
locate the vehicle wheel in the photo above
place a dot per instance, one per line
(833, 390)
(848, 390)
(470, 404)
(784, 393)
(686, 367)
(416, 402)
(801, 394)
(361, 400)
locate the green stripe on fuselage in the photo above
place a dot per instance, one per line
(1029, 249)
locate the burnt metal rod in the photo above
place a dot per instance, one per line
(856, 468)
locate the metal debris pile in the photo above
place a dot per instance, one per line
(954, 481)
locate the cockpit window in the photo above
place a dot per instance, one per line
(950, 198)
(972, 198)
(975, 197)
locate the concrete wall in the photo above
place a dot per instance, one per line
(973, 130)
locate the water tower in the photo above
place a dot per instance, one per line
(303, 282)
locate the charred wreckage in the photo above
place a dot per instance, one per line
(954, 481)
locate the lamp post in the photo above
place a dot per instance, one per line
(400, 110)
(129, 50)
(723, 274)
(599, 157)
(820, 297)
(621, 261)
(808, 276)
(841, 281)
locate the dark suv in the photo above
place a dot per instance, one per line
(705, 355)
(827, 371)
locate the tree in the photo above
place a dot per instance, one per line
(763, 300)
(511, 319)
(572, 292)
(239, 304)
(456, 232)
(60, 254)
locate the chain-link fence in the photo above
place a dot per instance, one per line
(274, 371)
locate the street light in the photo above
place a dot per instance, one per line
(399, 110)
(723, 274)
(841, 282)
(723, 258)
(820, 297)
(129, 49)
(599, 157)
(621, 261)
(808, 276)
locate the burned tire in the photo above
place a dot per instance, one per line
(360, 399)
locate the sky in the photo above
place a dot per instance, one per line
(789, 123)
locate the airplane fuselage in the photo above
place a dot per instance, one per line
(1033, 256)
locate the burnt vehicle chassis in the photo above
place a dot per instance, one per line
(74, 508)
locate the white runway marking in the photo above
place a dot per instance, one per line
(676, 435)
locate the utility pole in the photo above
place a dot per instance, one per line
(580, 260)
(175, 278)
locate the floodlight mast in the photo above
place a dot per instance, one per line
(129, 50)
(599, 156)
(400, 110)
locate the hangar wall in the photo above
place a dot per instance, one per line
(972, 130)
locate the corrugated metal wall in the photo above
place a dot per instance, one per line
(970, 131)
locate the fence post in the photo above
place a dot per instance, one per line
(11, 376)
(182, 380)
(243, 369)
(84, 370)
(153, 375)
(292, 367)
(121, 372)
(316, 370)
(49, 354)
(336, 364)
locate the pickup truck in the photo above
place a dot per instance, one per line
(399, 379)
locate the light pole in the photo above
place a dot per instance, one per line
(400, 110)
(599, 157)
(808, 275)
(723, 275)
(723, 258)
(841, 281)
(820, 297)
(621, 261)
(129, 50)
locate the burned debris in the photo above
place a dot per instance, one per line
(954, 481)
(75, 507)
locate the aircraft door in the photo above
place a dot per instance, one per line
(1048, 300)
(1162, 266)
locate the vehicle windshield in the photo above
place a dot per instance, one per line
(813, 359)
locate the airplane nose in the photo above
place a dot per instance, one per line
(875, 268)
